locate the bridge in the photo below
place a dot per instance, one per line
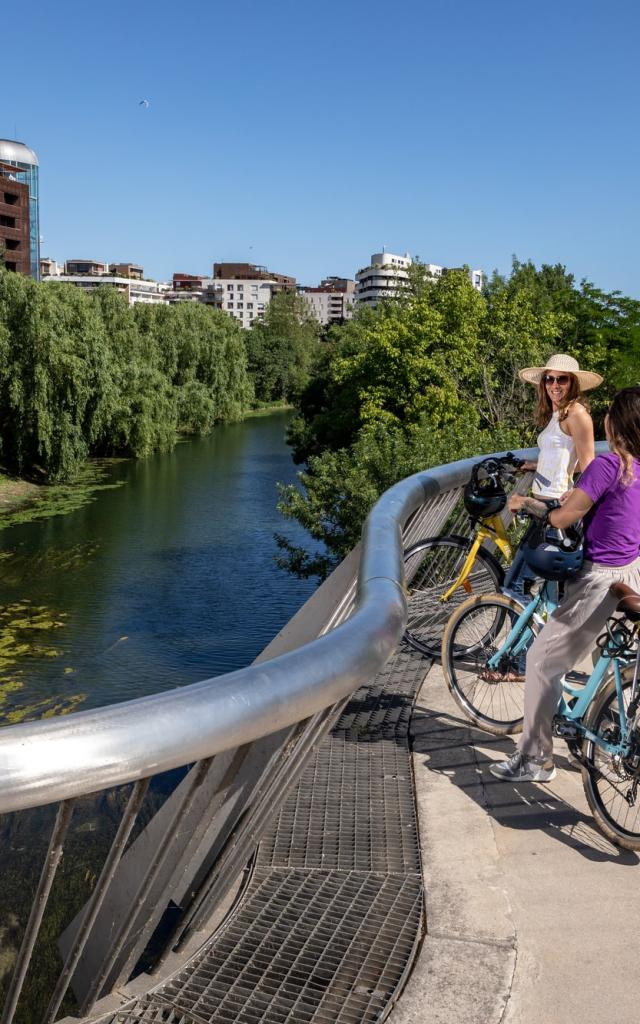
(247, 849)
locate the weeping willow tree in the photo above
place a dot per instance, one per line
(84, 374)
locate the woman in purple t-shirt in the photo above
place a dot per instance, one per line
(607, 499)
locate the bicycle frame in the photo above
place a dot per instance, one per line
(583, 696)
(492, 529)
(580, 696)
(518, 638)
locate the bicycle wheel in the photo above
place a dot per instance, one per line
(438, 562)
(491, 696)
(609, 784)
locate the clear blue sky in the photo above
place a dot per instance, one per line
(306, 136)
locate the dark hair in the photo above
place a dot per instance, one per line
(623, 428)
(544, 408)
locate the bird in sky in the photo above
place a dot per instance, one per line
(144, 103)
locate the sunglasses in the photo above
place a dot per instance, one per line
(561, 379)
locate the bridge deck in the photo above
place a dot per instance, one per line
(328, 927)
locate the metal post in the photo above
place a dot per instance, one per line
(143, 891)
(127, 822)
(47, 875)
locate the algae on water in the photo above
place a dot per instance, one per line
(60, 499)
(26, 632)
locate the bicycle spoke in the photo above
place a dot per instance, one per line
(486, 679)
(439, 565)
(608, 782)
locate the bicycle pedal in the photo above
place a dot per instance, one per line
(565, 730)
(575, 678)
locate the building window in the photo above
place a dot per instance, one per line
(249, 305)
(240, 305)
(229, 305)
(240, 287)
(229, 287)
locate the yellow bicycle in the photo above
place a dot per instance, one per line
(444, 571)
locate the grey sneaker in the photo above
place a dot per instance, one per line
(522, 769)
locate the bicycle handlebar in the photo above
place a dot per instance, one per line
(496, 467)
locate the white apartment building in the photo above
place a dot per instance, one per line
(332, 301)
(387, 277)
(244, 300)
(133, 290)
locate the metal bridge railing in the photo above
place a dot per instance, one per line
(174, 849)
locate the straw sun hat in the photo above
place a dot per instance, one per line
(562, 364)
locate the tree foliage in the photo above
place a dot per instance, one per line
(282, 348)
(84, 374)
(432, 377)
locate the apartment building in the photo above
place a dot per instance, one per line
(244, 290)
(387, 277)
(21, 167)
(15, 246)
(332, 301)
(91, 274)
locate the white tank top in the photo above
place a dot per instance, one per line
(557, 460)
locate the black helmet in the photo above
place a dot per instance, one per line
(484, 495)
(552, 553)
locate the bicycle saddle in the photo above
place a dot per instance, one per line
(628, 600)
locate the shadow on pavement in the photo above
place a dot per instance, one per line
(456, 749)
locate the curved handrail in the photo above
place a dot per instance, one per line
(57, 759)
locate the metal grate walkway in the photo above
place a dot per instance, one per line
(328, 927)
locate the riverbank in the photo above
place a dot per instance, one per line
(22, 501)
(16, 493)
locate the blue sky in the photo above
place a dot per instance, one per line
(307, 136)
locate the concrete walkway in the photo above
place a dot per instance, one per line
(532, 916)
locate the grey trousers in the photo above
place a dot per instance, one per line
(568, 636)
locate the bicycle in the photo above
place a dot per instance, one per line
(598, 715)
(450, 567)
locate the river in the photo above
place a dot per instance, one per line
(163, 581)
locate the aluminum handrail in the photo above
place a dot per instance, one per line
(58, 759)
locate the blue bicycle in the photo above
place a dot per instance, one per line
(483, 650)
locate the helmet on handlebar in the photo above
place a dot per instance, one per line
(552, 553)
(485, 495)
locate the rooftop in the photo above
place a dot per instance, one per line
(17, 151)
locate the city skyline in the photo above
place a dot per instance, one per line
(307, 142)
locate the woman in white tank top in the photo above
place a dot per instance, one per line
(566, 443)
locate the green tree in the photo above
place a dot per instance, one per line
(282, 348)
(54, 363)
(434, 376)
(86, 374)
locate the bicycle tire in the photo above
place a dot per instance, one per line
(440, 560)
(604, 786)
(475, 631)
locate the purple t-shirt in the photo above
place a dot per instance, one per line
(612, 525)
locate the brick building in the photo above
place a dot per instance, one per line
(14, 221)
